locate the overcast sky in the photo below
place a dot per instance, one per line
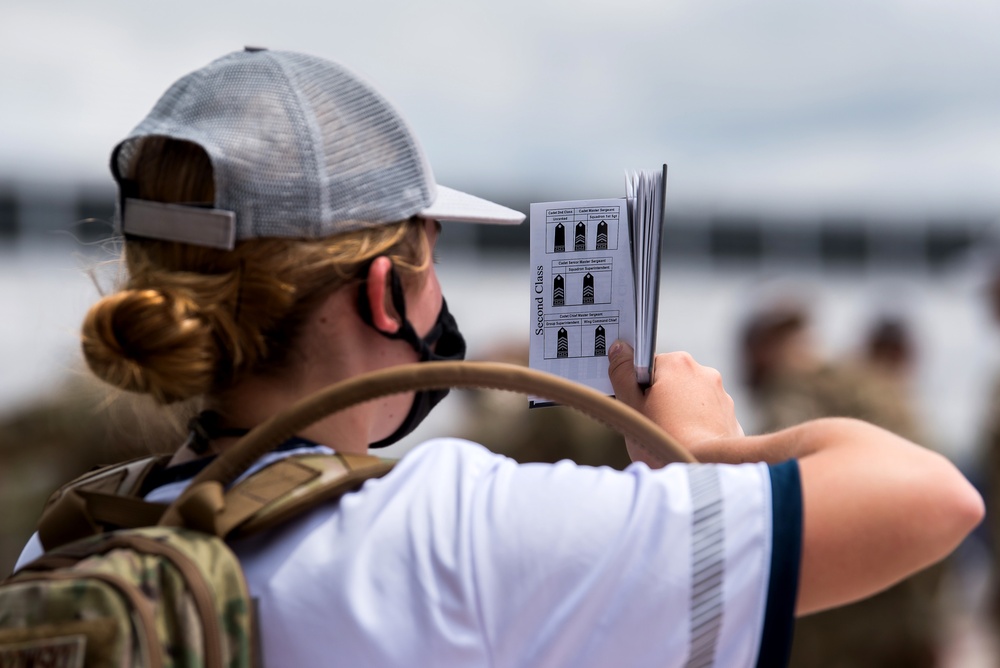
(847, 107)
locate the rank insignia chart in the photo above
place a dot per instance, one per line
(576, 311)
(591, 261)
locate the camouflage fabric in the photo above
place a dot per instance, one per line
(991, 450)
(900, 626)
(502, 422)
(837, 390)
(144, 597)
(57, 437)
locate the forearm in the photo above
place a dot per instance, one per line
(877, 508)
(795, 442)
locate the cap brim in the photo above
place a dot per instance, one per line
(458, 206)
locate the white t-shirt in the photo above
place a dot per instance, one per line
(460, 557)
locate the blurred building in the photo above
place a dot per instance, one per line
(749, 241)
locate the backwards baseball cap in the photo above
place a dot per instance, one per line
(300, 147)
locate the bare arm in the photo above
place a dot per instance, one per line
(877, 508)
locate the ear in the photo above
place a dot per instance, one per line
(384, 315)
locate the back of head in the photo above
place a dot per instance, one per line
(193, 319)
(254, 187)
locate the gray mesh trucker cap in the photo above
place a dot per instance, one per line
(300, 147)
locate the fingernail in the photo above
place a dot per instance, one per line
(615, 349)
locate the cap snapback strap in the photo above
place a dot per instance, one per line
(215, 228)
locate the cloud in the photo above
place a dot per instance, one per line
(776, 100)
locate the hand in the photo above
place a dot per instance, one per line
(685, 398)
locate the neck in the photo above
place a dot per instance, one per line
(319, 362)
(258, 399)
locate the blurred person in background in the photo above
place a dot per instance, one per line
(81, 424)
(791, 380)
(888, 360)
(990, 448)
(503, 423)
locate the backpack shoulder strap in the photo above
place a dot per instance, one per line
(106, 498)
(80, 508)
(281, 491)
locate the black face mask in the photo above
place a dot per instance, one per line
(443, 343)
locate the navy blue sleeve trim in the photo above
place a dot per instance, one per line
(786, 551)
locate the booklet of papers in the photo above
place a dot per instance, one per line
(595, 268)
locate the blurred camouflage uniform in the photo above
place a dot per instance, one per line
(502, 422)
(791, 384)
(900, 626)
(836, 390)
(991, 451)
(55, 438)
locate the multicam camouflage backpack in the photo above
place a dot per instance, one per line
(163, 596)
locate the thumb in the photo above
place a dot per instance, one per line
(621, 371)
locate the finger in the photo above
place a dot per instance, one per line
(621, 371)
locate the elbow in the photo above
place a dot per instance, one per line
(969, 508)
(960, 509)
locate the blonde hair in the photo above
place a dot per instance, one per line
(192, 320)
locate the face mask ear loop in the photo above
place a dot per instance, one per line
(405, 331)
(398, 301)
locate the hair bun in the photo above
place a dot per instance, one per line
(150, 341)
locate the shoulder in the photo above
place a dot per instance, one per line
(456, 450)
(441, 471)
(454, 457)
